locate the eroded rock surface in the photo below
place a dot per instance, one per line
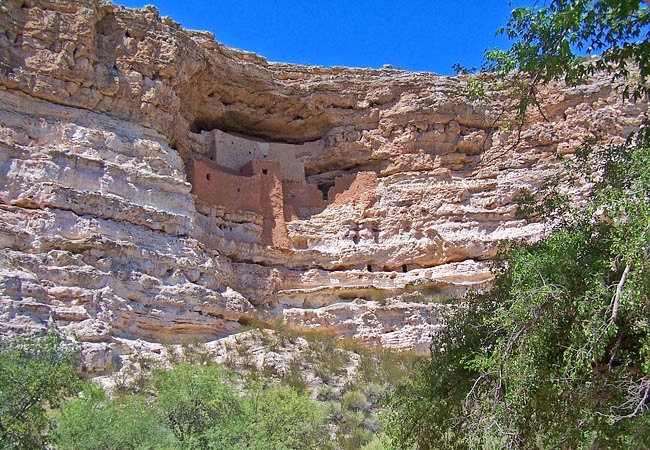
(103, 109)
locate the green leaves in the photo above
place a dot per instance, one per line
(193, 406)
(195, 398)
(476, 89)
(556, 353)
(280, 418)
(36, 372)
(550, 44)
(95, 421)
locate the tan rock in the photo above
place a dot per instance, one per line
(104, 109)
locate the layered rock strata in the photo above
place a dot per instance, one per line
(106, 113)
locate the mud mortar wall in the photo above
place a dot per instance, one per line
(234, 151)
(215, 186)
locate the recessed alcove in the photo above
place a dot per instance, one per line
(245, 174)
(216, 113)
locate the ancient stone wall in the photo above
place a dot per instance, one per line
(214, 185)
(257, 189)
(304, 199)
(341, 184)
(288, 155)
(233, 151)
(266, 178)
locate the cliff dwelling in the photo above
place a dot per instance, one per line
(400, 194)
(242, 174)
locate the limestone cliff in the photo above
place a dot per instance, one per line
(386, 190)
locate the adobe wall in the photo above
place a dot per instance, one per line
(258, 189)
(341, 184)
(358, 188)
(305, 199)
(287, 155)
(271, 194)
(234, 151)
(267, 179)
(261, 168)
(274, 230)
(217, 187)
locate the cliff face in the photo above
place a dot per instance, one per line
(106, 113)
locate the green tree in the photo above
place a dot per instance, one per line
(194, 399)
(280, 417)
(557, 353)
(549, 43)
(95, 421)
(36, 372)
(191, 407)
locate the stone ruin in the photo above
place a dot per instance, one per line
(242, 174)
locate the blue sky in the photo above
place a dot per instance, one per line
(421, 35)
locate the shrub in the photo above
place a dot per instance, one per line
(195, 398)
(35, 372)
(94, 421)
(374, 391)
(351, 433)
(556, 354)
(194, 407)
(354, 400)
(326, 393)
(280, 417)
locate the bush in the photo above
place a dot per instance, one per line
(94, 421)
(280, 417)
(351, 433)
(376, 443)
(374, 391)
(193, 399)
(354, 400)
(193, 407)
(326, 393)
(556, 354)
(36, 372)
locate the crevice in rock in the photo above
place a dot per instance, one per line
(239, 123)
(107, 34)
(27, 204)
(324, 188)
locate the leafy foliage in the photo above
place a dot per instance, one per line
(200, 405)
(558, 352)
(282, 418)
(193, 406)
(548, 41)
(94, 421)
(549, 44)
(193, 399)
(36, 372)
(476, 89)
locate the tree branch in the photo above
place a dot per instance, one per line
(639, 405)
(616, 301)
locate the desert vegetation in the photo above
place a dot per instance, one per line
(331, 396)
